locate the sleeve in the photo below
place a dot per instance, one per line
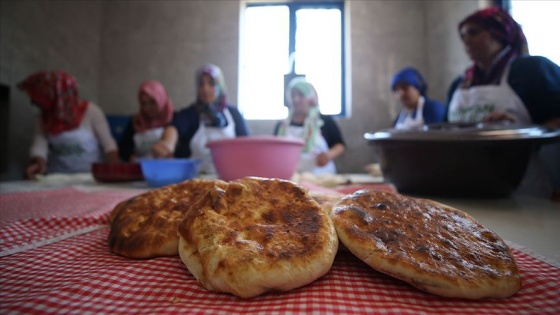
(331, 132)
(186, 122)
(452, 88)
(536, 80)
(101, 128)
(433, 112)
(39, 146)
(240, 124)
(126, 143)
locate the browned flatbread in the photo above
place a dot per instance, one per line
(432, 246)
(257, 235)
(145, 226)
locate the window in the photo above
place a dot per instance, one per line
(539, 20)
(278, 41)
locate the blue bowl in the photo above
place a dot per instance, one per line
(161, 172)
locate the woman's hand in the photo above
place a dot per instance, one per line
(113, 156)
(322, 159)
(498, 116)
(36, 166)
(162, 149)
(325, 157)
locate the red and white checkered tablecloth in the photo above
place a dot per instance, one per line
(62, 264)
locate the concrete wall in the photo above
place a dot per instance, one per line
(165, 41)
(44, 35)
(112, 46)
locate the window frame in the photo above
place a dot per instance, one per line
(325, 4)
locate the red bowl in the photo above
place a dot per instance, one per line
(117, 172)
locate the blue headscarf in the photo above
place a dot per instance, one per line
(410, 76)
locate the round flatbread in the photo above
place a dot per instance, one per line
(434, 247)
(257, 235)
(145, 226)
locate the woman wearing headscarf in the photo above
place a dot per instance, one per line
(150, 128)
(410, 90)
(209, 118)
(322, 138)
(503, 82)
(70, 133)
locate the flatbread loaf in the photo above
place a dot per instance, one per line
(434, 247)
(257, 235)
(145, 226)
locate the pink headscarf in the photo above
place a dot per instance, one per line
(156, 91)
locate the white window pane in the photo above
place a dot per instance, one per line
(540, 23)
(318, 54)
(263, 62)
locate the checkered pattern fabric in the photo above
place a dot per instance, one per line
(54, 264)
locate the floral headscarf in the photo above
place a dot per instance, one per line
(55, 93)
(313, 122)
(157, 92)
(503, 28)
(212, 114)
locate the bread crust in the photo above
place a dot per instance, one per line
(257, 235)
(145, 226)
(432, 246)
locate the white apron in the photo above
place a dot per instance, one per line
(144, 141)
(472, 104)
(73, 151)
(203, 135)
(406, 121)
(307, 159)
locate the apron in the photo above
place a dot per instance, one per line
(472, 104)
(144, 141)
(73, 151)
(307, 159)
(203, 135)
(406, 121)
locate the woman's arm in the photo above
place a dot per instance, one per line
(334, 139)
(38, 152)
(103, 132)
(240, 124)
(331, 154)
(165, 147)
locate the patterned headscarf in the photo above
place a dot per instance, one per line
(55, 93)
(410, 76)
(313, 122)
(212, 114)
(504, 29)
(157, 92)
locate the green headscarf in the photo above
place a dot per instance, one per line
(313, 122)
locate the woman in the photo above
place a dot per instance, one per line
(209, 118)
(410, 90)
(150, 129)
(503, 83)
(69, 131)
(323, 140)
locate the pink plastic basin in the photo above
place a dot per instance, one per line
(262, 156)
